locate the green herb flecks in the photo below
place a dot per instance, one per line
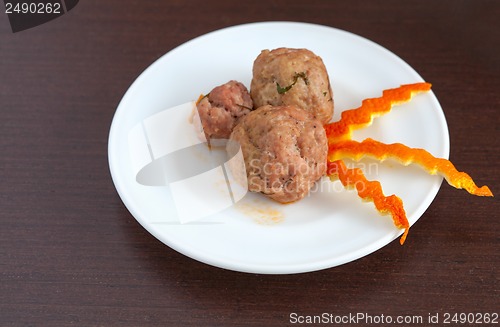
(283, 90)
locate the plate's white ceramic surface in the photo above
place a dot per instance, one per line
(331, 226)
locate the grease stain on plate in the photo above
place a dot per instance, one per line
(261, 212)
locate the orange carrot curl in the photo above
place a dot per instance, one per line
(370, 109)
(405, 155)
(372, 191)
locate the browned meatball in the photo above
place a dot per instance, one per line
(285, 151)
(222, 107)
(296, 77)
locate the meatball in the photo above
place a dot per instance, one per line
(220, 110)
(284, 150)
(296, 77)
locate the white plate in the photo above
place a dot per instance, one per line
(331, 226)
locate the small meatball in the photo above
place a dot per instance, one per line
(296, 77)
(220, 110)
(284, 149)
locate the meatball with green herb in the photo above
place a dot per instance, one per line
(297, 77)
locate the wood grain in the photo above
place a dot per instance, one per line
(71, 254)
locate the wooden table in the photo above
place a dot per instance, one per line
(71, 253)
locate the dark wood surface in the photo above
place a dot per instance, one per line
(71, 253)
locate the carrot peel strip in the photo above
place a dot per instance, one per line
(200, 98)
(370, 190)
(371, 108)
(406, 155)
